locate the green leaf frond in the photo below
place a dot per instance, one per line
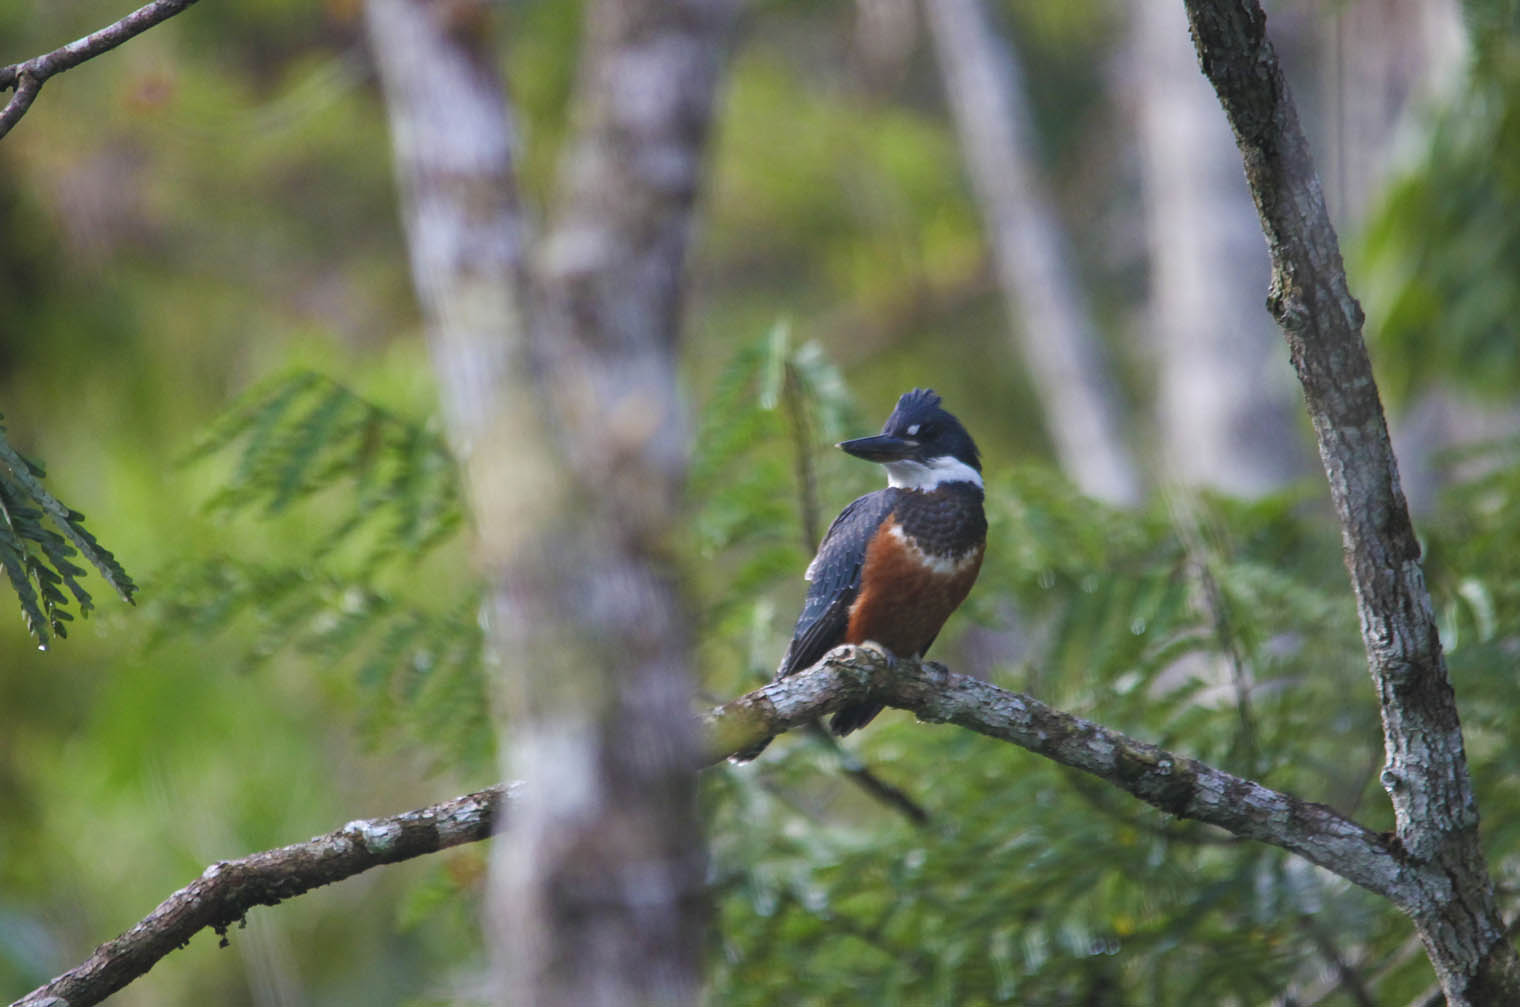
(417, 671)
(382, 492)
(759, 461)
(39, 539)
(303, 434)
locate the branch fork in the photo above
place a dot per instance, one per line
(28, 76)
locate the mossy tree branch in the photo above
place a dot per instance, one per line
(1173, 783)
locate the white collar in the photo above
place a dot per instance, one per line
(932, 474)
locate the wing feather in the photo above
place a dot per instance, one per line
(834, 577)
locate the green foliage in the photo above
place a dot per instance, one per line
(1475, 584)
(39, 539)
(753, 521)
(303, 434)
(869, 207)
(213, 199)
(351, 592)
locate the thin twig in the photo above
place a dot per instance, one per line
(1350, 979)
(28, 76)
(1190, 532)
(802, 456)
(865, 777)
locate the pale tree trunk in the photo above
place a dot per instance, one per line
(1053, 332)
(455, 147)
(1385, 63)
(1223, 387)
(559, 377)
(1426, 776)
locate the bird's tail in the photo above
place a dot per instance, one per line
(853, 718)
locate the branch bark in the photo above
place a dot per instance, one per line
(1173, 783)
(27, 77)
(224, 893)
(1426, 773)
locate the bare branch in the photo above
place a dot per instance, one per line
(1176, 784)
(222, 895)
(27, 77)
(27, 86)
(1426, 774)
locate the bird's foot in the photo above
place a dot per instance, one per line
(879, 652)
(937, 670)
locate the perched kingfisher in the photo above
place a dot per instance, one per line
(896, 563)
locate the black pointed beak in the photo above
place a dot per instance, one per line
(881, 448)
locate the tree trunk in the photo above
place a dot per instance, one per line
(1053, 332)
(575, 442)
(1426, 773)
(1222, 386)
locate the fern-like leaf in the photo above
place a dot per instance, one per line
(39, 538)
(303, 433)
(394, 492)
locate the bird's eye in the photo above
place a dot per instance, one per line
(923, 430)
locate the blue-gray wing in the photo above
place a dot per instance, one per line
(835, 581)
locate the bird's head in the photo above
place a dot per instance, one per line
(922, 446)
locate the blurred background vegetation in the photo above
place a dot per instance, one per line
(208, 334)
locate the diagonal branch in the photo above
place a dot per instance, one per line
(1176, 784)
(222, 895)
(27, 77)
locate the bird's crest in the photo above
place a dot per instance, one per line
(917, 399)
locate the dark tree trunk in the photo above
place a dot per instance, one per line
(1426, 772)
